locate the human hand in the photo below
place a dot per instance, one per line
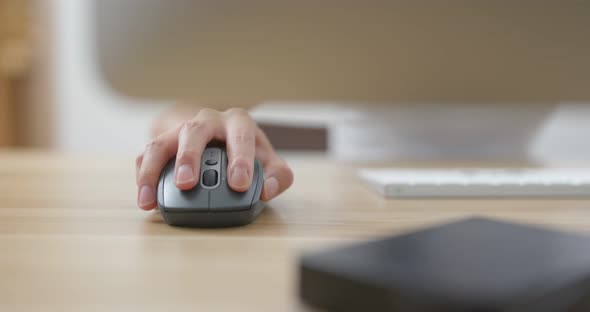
(186, 141)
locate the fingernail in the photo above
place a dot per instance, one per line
(146, 196)
(185, 173)
(271, 188)
(239, 177)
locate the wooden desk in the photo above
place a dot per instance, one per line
(72, 239)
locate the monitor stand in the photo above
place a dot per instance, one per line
(439, 132)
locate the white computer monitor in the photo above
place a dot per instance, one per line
(369, 51)
(425, 79)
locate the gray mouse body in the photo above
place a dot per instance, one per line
(212, 203)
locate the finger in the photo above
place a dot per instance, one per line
(241, 149)
(278, 178)
(138, 162)
(156, 154)
(277, 175)
(192, 140)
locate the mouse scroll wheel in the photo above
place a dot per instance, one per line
(210, 177)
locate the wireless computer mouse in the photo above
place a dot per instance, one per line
(212, 203)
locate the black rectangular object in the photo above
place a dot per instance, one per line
(472, 265)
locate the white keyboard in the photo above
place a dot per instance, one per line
(543, 182)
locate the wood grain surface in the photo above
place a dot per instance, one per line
(72, 238)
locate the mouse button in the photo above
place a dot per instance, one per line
(210, 178)
(174, 199)
(223, 198)
(211, 167)
(196, 199)
(211, 162)
(212, 157)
